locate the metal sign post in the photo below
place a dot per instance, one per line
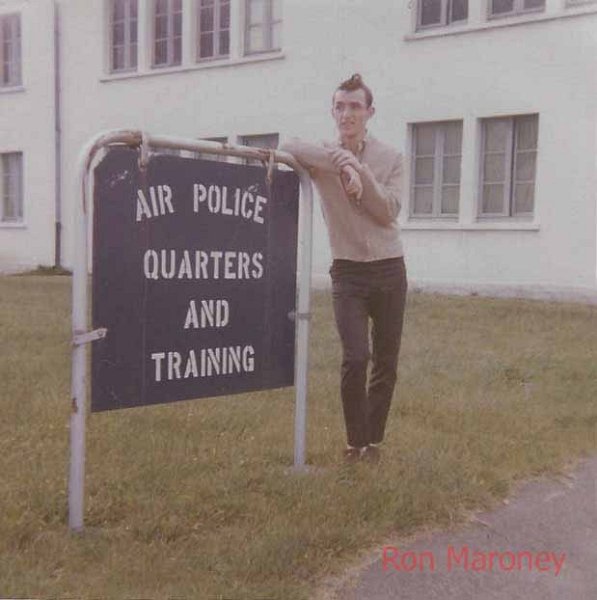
(81, 334)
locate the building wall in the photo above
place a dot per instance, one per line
(27, 126)
(542, 64)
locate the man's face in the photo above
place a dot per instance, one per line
(350, 112)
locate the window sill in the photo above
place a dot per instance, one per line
(12, 89)
(433, 225)
(203, 64)
(505, 21)
(11, 225)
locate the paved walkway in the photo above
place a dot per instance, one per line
(540, 545)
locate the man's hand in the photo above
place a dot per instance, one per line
(344, 158)
(351, 180)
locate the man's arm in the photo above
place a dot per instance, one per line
(381, 200)
(311, 156)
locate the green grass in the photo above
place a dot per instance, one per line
(194, 499)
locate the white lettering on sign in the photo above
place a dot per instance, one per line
(239, 203)
(206, 362)
(161, 202)
(212, 313)
(200, 264)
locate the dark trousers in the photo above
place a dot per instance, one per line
(364, 291)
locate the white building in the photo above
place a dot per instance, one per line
(492, 102)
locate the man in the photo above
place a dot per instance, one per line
(359, 181)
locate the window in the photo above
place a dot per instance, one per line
(167, 33)
(123, 41)
(213, 28)
(11, 182)
(436, 158)
(508, 166)
(498, 8)
(263, 26)
(432, 13)
(10, 50)
(269, 140)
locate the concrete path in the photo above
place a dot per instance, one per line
(540, 545)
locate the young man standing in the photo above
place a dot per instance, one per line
(359, 181)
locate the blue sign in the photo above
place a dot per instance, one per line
(194, 277)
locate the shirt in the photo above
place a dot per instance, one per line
(367, 229)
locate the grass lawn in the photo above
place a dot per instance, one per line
(193, 499)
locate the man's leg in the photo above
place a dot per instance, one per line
(350, 310)
(387, 313)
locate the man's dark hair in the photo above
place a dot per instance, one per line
(355, 82)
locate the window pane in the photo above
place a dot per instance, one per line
(177, 25)
(161, 7)
(523, 198)
(451, 169)
(453, 138)
(425, 139)
(206, 45)
(224, 49)
(118, 10)
(496, 134)
(494, 168)
(526, 133)
(450, 197)
(118, 33)
(501, 6)
(161, 52)
(493, 199)
(424, 170)
(423, 204)
(534, 3)
(133, 32)
(459, 10)
(12, 185)
(225, 15)
(177, 49)
(161, 27)
(118, 58)
(256, 39)
(257, 12)
(133, 4)
(525, 166)
(133, 64)
(431, 12)
(207, 3)
(206, 20)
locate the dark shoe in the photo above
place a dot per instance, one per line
(351, 455)
(371, 454)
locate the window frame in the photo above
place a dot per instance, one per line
(515, 12)
(445, 20)
(15, 65)
(128, 44)
(5, 175)
(171, 37)
(438, 184)
(217, 30)
(512, 152)
(267, 25)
